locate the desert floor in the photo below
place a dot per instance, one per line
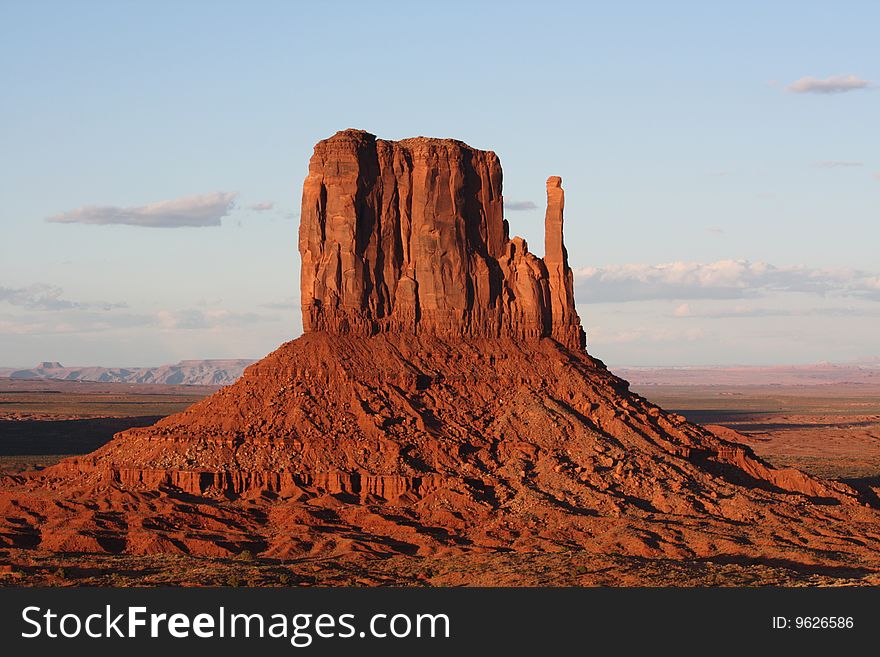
(832, 431)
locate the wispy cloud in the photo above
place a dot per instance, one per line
(49, 297)
(683, 310)
(286, 304)
(16, 326)
(724, 279)
(716, 230)
(90, 321)
(262, 207)
(745, 312)
(207, 319)
(194, 211)
(519, 206)
(645, 334)
(834, 164)
(836, 84)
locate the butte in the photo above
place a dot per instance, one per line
(440, 401)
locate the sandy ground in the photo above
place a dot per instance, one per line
(829, 431)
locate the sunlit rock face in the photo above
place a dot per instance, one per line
(410, 236)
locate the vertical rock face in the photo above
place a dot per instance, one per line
(410, 237)
(565, 323)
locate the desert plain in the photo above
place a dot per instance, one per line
(830, 430)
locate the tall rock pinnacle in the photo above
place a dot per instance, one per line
(566, 325)
(410, 237)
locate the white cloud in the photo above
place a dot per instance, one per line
(71, 322)
(519, 206)
(836, 164)
(207, 319)
(18, 327)
(683, 310)
(724, 279)
(744, 312)
(91, 322)
(836, 84)
(644, 335)
(262, 207)
(287, 304)
(198, 211)
(48, 297)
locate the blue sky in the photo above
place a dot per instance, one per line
(720, 163)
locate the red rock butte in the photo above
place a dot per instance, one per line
(410, 237)
(440, 401)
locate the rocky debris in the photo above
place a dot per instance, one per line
(440, 401)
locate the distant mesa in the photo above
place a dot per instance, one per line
(819, 374)
(217, 372)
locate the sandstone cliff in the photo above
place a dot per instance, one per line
(410, 237)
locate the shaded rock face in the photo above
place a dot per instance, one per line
(410, 237)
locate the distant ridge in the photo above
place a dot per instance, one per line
(864, 372)
(227, 371)
(186, 372)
